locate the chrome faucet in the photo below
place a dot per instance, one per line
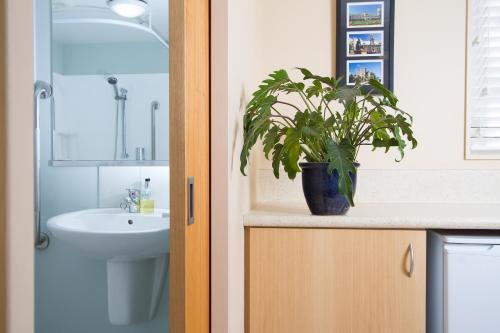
(131, 203)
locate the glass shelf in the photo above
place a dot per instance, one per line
(61, 163)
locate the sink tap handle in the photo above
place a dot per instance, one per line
(125, 205)
(134, 195)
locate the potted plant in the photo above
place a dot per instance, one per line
(326, 129)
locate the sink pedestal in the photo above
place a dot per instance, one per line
(134, 288)
(135, 248)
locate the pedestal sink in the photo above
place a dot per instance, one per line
(135, 248)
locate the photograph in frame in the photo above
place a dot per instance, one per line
(365, 14)
(364, 70)
(365, 43)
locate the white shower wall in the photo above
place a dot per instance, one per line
(85, 116)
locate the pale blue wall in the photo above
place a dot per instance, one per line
(113, 58)
(57, 58)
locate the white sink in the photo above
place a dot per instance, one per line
(135, 248)
(110, 233)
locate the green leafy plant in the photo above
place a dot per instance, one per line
(329, 124)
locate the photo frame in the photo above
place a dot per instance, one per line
(365, 41)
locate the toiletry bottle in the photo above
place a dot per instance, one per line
(147, 203)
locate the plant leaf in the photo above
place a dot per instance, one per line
(271, 138)
(291, 152)
(347, 95)
(329, 81)
(406, 129)
(278, 150)
(341, 158)
(255, 124)
(401, 143)
(268, 87)
(385, 143)
(380, 88)
(315, 90)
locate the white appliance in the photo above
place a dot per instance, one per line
(463, 282)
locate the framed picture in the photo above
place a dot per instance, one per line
(365, 14)
(365, 41)
(364, 70)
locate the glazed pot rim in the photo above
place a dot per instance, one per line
(320, 164)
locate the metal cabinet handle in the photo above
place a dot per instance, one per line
(412, 259)
(190, 200)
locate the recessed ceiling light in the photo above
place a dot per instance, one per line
(128, 8)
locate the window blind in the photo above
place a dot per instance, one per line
(483, 79)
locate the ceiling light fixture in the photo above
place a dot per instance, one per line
(128, 8)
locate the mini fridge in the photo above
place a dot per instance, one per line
(463, 282)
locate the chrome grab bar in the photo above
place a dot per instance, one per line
(42, 90)
(154, 106)
(123, 99)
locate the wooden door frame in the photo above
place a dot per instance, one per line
(190, 157)
(17, 301)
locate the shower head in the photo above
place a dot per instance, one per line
(113, 81)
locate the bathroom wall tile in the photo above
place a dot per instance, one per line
(113, 184)
(160, 183)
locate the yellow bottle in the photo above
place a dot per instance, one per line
(147, 203)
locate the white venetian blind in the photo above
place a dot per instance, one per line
(483, 79)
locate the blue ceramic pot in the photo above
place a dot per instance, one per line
(322, 190)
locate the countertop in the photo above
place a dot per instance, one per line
(382, 216)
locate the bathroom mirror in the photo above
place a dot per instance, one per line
(110, 78)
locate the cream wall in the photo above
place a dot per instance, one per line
(219, 166)
(233, 43)
(429, 71)
(242, 53)
(260, 36)
(19, 161)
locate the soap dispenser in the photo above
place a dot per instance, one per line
(147, 204)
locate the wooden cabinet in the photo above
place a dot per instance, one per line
(334, 280)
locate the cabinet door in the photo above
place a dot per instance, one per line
(334, 280)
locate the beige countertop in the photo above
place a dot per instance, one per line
(382, 216)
